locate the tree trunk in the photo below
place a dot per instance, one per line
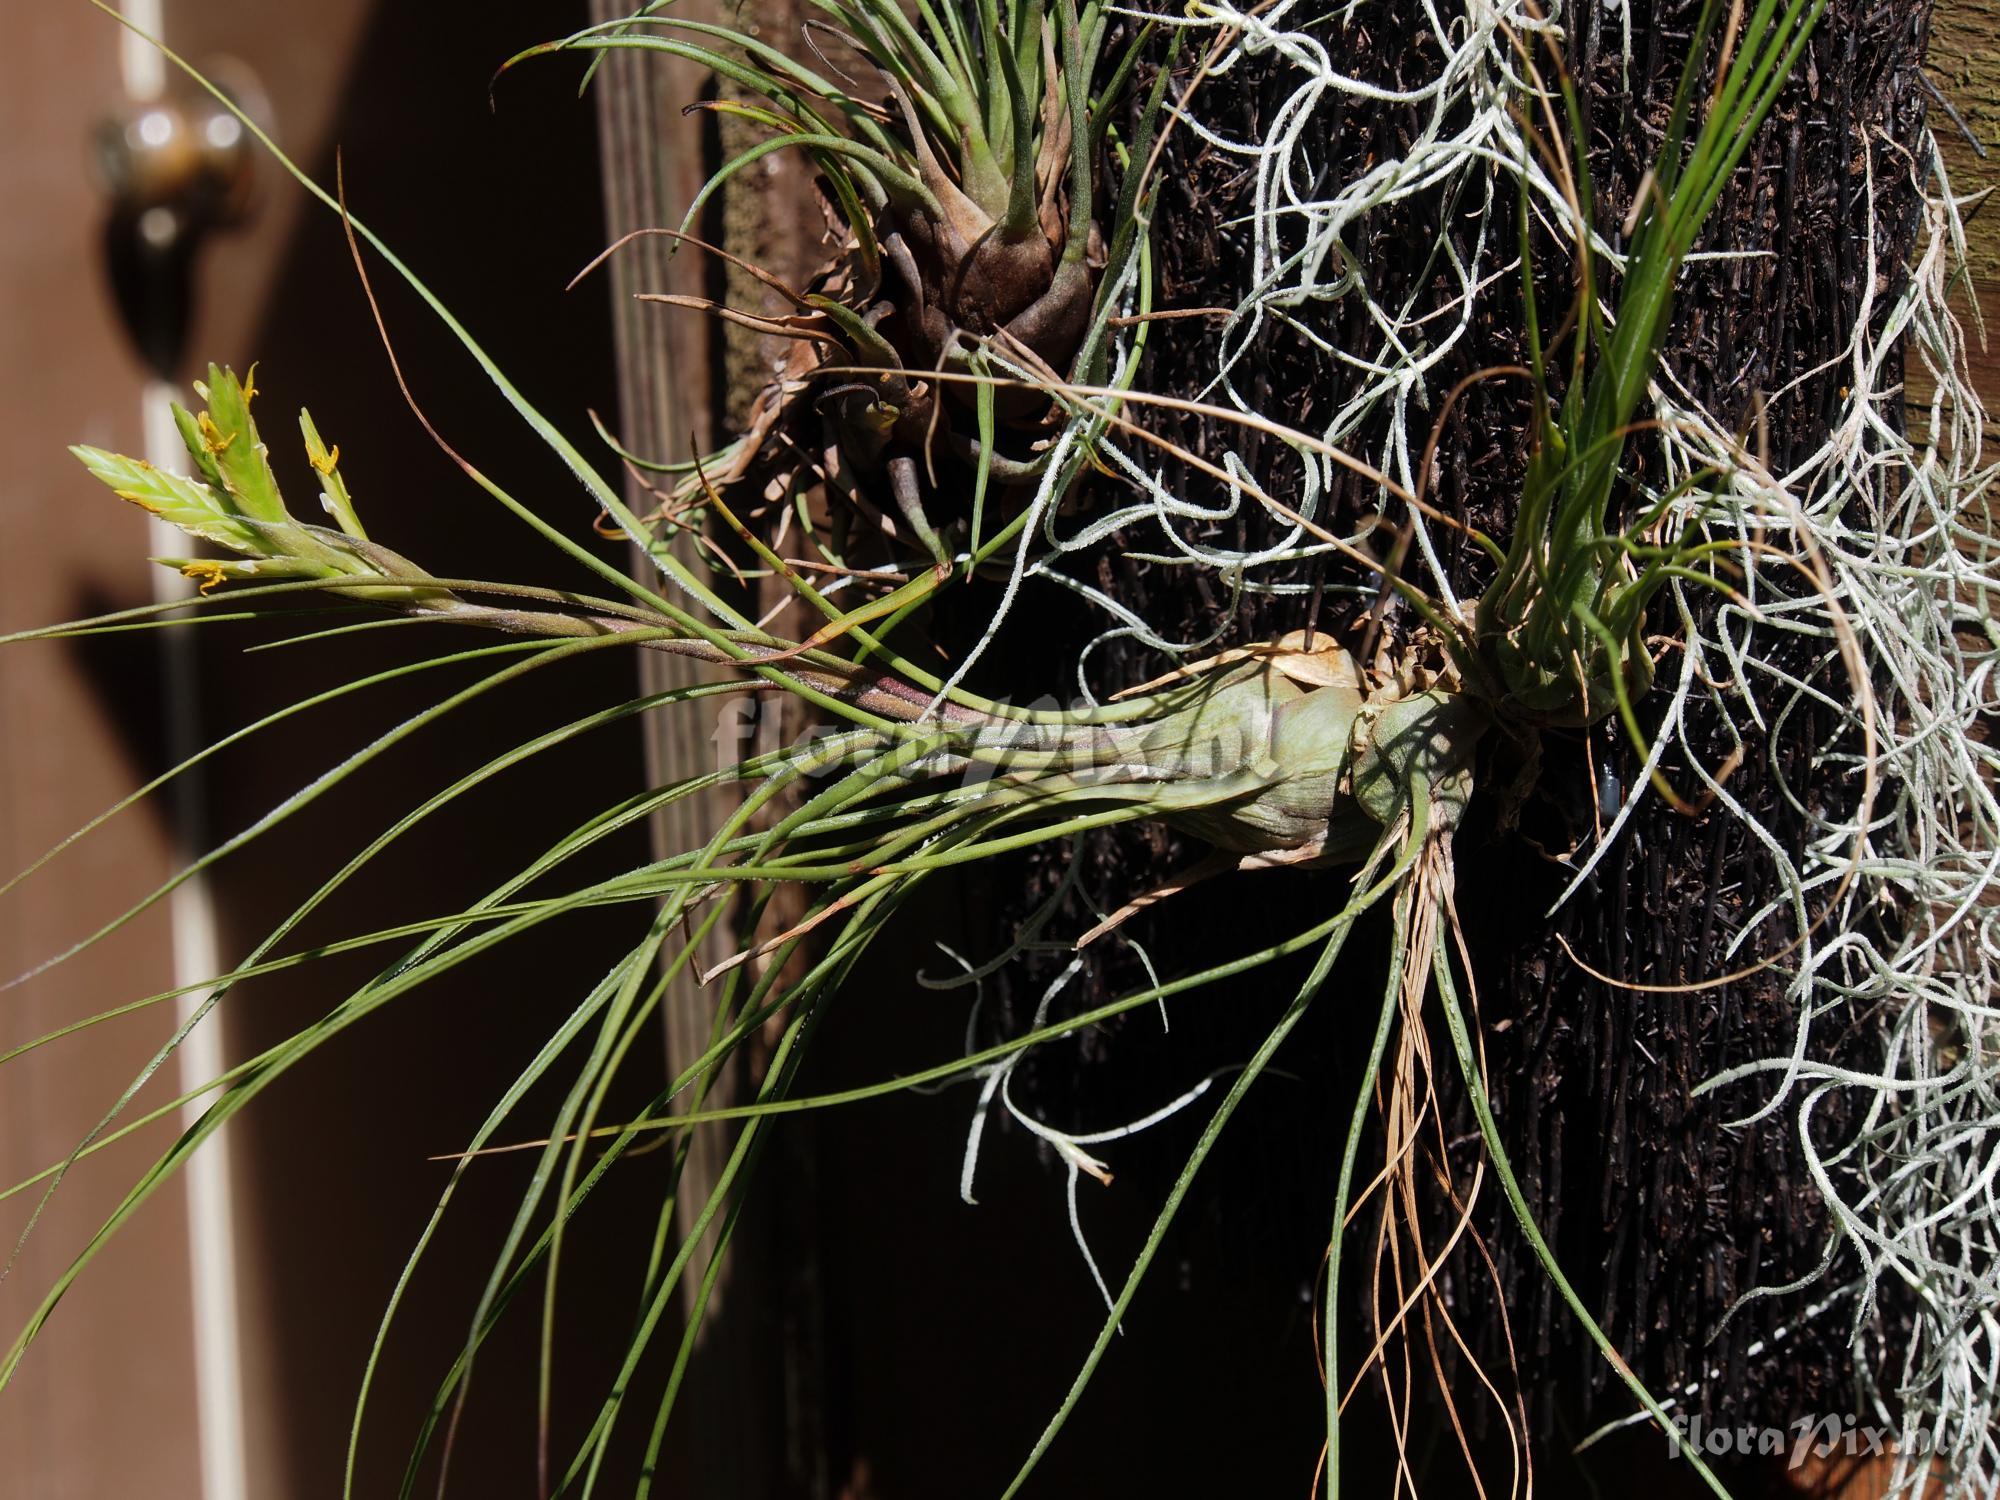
(1663, 1216)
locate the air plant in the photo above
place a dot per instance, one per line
(1290, 752)
(1283, 754)
(1287, 754)
(961, 158)
(1560, 626)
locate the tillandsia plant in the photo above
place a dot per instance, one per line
(1280, 754)
(962, 171)
(1295, 751)
(1560, 627)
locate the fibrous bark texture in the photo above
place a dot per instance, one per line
(1664, 1212)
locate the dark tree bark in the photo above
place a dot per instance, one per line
(1663, 1216)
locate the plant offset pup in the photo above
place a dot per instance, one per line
(968, 194)
(969, 201)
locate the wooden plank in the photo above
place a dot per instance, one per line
(1963, 63)
(1964, 66)
(686, 383)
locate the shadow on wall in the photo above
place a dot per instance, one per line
(334, 1165)
(498, 211)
